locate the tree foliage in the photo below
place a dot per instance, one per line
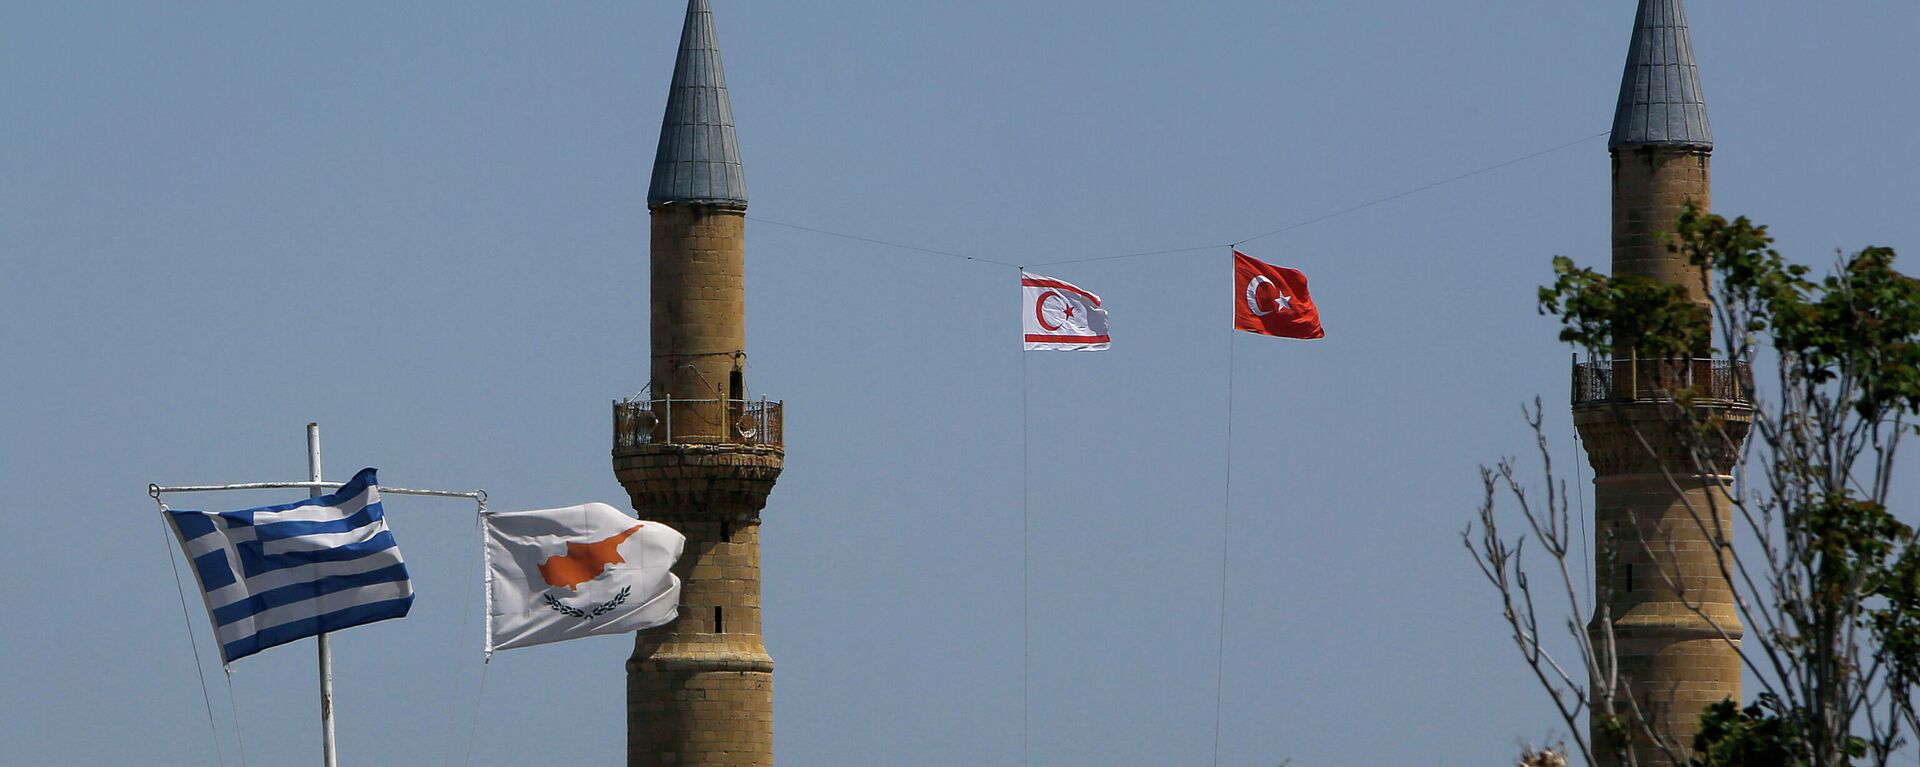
(1829, 581)
(1628, 314)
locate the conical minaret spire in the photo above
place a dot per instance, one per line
(1660, 102)
(698, 160)
(1662, 149)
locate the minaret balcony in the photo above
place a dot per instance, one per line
(1706, 381)
(640, 421)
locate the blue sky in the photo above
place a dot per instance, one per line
(423, 225)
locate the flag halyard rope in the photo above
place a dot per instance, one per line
(1226, 516)
(1026, 535)
(233, 704)
(186, 619)
(479, 697)
(453, 714)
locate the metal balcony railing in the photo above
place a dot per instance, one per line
(1647, 380)
(644, 421)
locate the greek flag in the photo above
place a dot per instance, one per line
(279, 573)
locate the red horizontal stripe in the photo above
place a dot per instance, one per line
(1033, 338)
(1042, 282)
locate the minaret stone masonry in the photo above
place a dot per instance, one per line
(1651, 186)
(1671, 606)
(1659, 578)
(700, 690)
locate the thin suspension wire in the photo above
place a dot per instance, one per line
(1226, 516)
(1144, 254)
(1417, 190)
(1198, 248)
(1342, 211)
(1026, 537)
(186, 619)
(870, 240)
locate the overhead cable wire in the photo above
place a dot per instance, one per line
(1144, 254)
(870, 240)
(1343, 211)
(1417, 190)
(1196, 248)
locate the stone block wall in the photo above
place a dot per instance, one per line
(700, 690)
(1651, 186)
(1662, 522)
(698, 314)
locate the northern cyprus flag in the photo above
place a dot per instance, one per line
(558, 574)
(1058, 316)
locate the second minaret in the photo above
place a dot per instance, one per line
(695, 451)
(1661, 513)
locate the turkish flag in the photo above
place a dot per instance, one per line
(1272, 300)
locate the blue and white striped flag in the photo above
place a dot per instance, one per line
(279, 573)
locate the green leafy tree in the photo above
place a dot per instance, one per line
(1827, 578)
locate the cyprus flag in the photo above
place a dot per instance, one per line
(557, 574)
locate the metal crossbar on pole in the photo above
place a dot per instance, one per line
(477, 495)
(315, 487)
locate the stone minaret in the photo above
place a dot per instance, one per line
(694, 452)
(1671, 607)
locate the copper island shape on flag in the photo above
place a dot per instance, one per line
(557, 574)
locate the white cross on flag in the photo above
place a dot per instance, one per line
(1058, 316)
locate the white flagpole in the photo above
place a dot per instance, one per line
(326, 650)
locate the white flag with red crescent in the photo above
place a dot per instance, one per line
(1058, 316)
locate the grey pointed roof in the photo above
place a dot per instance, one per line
(1660, 101)
(699, 159)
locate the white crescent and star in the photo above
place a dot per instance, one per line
(1280, 302)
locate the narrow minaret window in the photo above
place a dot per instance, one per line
(719, 621)
(726, 532)
(737, 406)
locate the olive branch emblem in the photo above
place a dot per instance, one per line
(589, 614)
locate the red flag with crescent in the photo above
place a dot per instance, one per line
(1272, 300)
(1058, 316)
